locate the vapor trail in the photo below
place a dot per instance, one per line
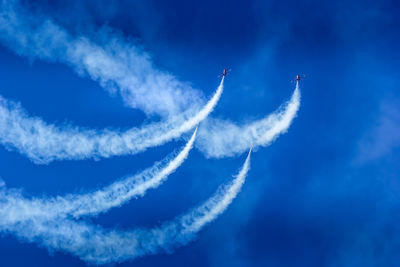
(44, 143)
(100, 200)
(97, 245)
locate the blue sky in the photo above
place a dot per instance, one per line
(326, 193)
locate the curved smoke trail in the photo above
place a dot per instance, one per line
(111, 60)
(118, 64)
(219, 138)
(97, 245)
(44, 143)
(98, 201)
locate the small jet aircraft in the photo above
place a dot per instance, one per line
(299, 78)
(225, 72)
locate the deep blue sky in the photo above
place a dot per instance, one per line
(327, 193)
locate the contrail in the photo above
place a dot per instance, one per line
(101, 200)
(97, 245)
(44, 143)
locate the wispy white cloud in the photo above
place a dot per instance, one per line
(383, 136)
(97, 245)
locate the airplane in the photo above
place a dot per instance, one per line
(299, 78)
(225, 72)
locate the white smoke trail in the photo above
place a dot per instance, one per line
(217, 204)
(43, 143)
(127, 68)
(219, 138)
(96, 245)
(101, 200)
(111, 60)
(116, 64)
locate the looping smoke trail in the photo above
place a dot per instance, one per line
(96, 245)
(44, 143)
(101, 200)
